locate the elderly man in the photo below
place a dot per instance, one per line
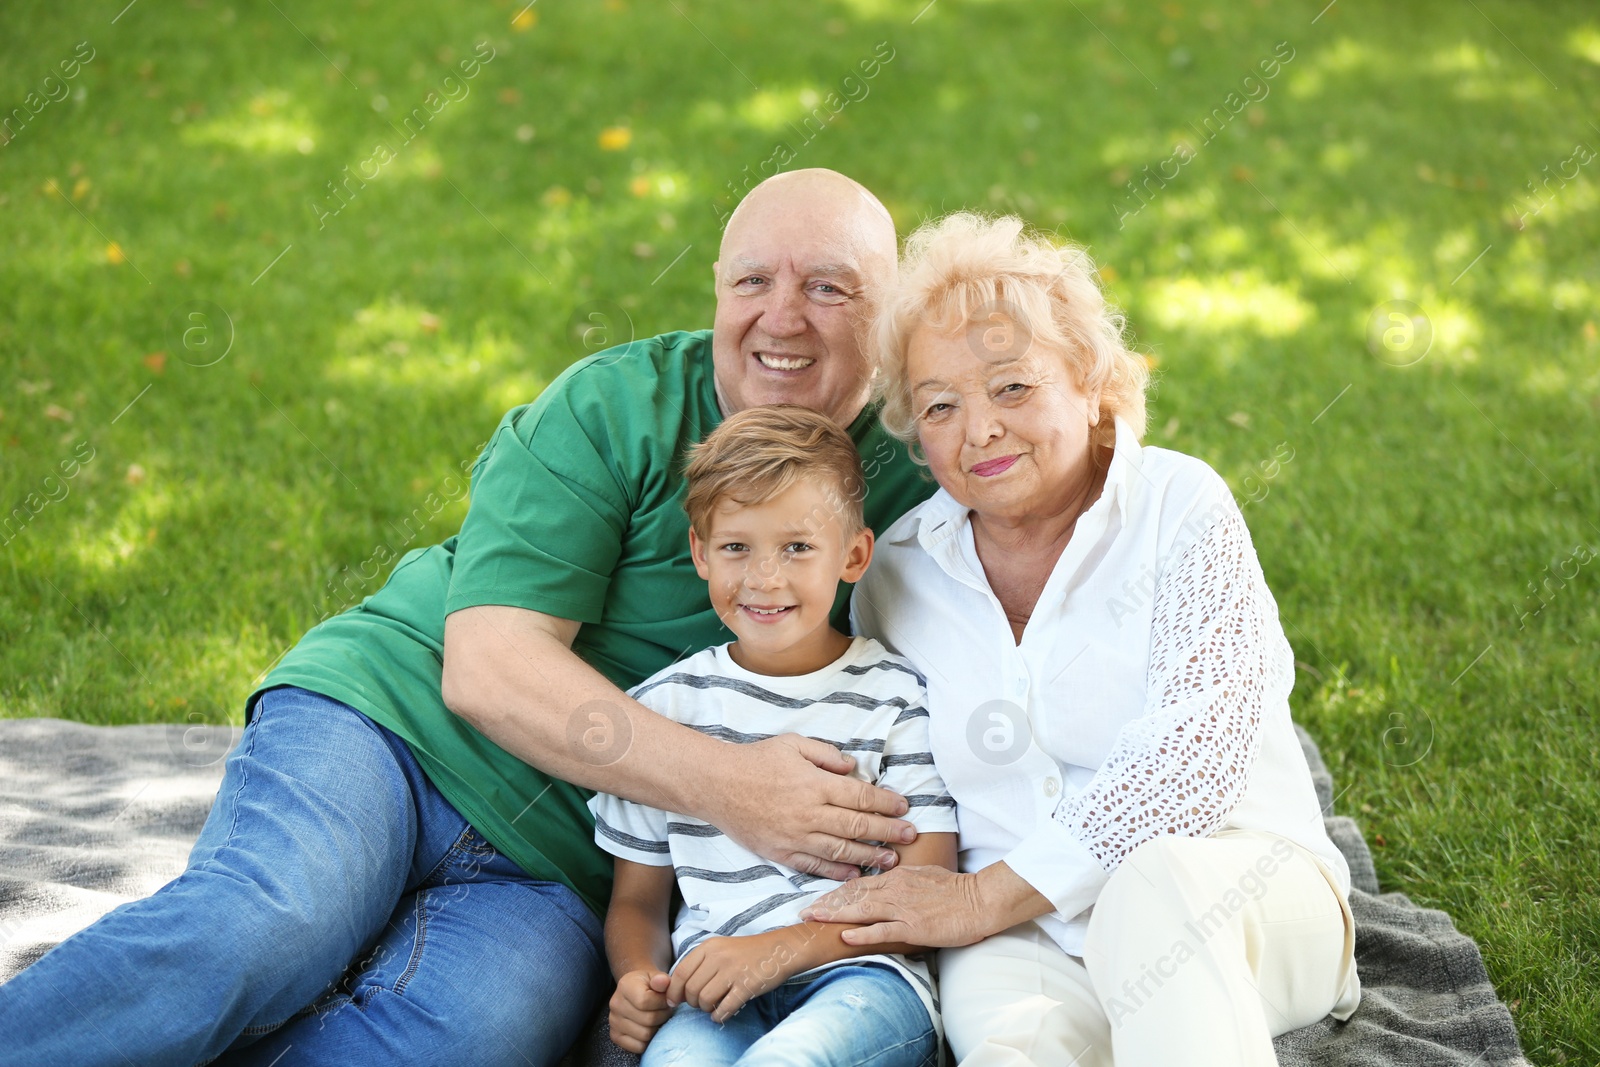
(399, 866)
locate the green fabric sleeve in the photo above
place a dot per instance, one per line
(545, 524)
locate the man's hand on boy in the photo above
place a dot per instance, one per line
(721, 974)
(638, 1008)
(826, 818)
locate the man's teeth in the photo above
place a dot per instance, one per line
(783, 363)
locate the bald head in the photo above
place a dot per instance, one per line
(839, 210)
(802, 261)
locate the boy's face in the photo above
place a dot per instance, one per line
(773, 570)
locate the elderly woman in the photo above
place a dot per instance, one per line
(1145, 875)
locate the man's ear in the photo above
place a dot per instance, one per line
(858, 556)
(697, 551)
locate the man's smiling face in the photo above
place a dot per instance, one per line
(800, 261)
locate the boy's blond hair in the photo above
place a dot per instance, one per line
(758, 453)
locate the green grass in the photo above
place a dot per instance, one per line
(233, 505)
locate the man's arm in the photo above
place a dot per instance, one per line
(512, 674)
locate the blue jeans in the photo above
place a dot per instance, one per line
(846, 1016)
(335, 910)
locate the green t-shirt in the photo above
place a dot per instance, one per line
(576, 511)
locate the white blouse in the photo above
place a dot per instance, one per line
(1149, 693)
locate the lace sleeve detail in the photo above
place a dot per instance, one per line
(1217, 658)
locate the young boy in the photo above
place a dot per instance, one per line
(774, 507)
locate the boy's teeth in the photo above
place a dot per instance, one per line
(782, 363)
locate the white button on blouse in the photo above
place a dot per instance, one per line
(1149, 693)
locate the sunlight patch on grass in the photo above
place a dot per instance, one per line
(1557, 203)
(1318, 252)
(771, 110)
(1584, 42)
(1337, 157)
(1222, 243)
(1463, 57)
(518, 388)
(1183, 207)
(951, 96)
(885, 9)
(105, 546)
(661, 184)
(395, 343)
(1527, 281)
(415, 161)
(1474, 72)
(1242, 299)
(1499, 86)
(1457, 331)
(269, 124)
(1309, 75)
(708, 115)
(1574, 294)
(1548, 379)
(1132, 149)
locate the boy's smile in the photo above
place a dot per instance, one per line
(773, 570)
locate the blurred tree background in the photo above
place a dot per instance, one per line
(273, 271)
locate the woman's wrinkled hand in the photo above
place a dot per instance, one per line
(928, 906)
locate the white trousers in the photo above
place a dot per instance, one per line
(1199, 952)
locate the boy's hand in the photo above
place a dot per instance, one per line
(722, 973)
(638, 1008)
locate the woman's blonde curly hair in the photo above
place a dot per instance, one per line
(968, 269)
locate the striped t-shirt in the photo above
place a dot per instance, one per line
(869, 703)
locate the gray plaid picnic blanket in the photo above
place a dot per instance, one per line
(93, 816)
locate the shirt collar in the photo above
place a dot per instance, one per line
(942, 516)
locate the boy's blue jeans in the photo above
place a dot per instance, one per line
(335, 910)
(845, 1016)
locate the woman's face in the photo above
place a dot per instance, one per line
(1006, 435)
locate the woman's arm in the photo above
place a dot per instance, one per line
(722, 973)
(929, 906)
(819, 943)
(1218, 659)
